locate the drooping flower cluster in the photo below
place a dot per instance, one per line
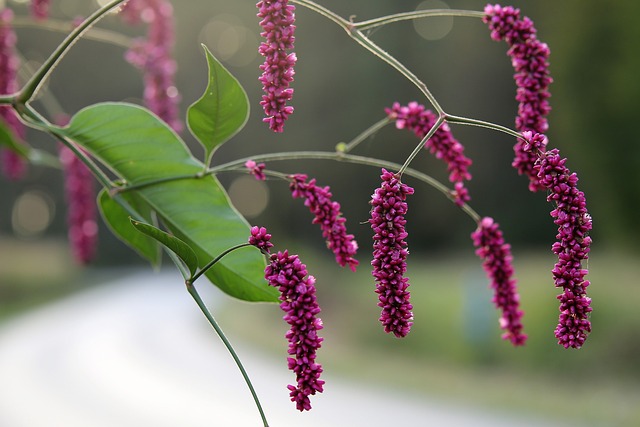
(298, 301)
(256, 169)
(497, 262)
(416, 118)
(153, 55)
(40, 9)
(529, 57)
(13, 166)
(277, 21)
(573, 240)
(327, 214)
(81, 206)
(388, 209)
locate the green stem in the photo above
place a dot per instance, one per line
(215, 261)
(420, 146)
(418, 14)
(41, 123)
(56, 25)
(7, 99)
(479, 123)
(37, 80)
(194, 293)
(364, 135)
(365, 42)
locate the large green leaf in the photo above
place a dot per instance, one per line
(222, 110)
(117, 218)
(140, 148)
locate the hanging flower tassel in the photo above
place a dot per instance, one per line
(497, 263)
(81, 206)
(327, 214)
(13, 166)
(277, 21)
(298, 300)
(529, 57)
(390, 254)
(154, 57)
(40, 9)
(573, 241)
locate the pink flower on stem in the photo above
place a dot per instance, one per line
(40, 9)
(442, 144)
(153, 56)
(573, 241)
(298, 300)
(256, 169)
(529, 58)
(390, 254)
(14, 167)
(277, 21)
(327, 214)
(81, 206)
(497, 257)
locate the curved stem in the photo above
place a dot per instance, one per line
(37, 80)
(373, 129)
(420, 146)
(215, 261)
(365, 42)
(38, 121)
(212, 321)
(96, 34)
(480, 123)
(418, 14)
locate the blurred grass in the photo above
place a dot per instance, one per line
(454, 351)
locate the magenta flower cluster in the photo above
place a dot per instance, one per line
(81, 206)
(529, 57)
(416, 118)
(298, 301)
(40, 9)
(497, 262)
(573, 240)
(388, 210)
(12, 165)
(327, 214)
(256, 169)
(277, 21)
(154, 57)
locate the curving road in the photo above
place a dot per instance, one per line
(138, 353)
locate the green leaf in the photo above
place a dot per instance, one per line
(141, 149)
(34, 156)
(177, 246)
(221, 112)
(117, 219)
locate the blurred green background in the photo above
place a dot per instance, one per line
(455, 350)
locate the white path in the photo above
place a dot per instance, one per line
(138, 353)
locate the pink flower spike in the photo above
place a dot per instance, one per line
(81, 206)
(40, 9)
(327, 214)
(256, 169)
(497, 258)
(154, 57)
(298, 301)
(390, 254)
(277, 21)
(13, 166)
(529, 58)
